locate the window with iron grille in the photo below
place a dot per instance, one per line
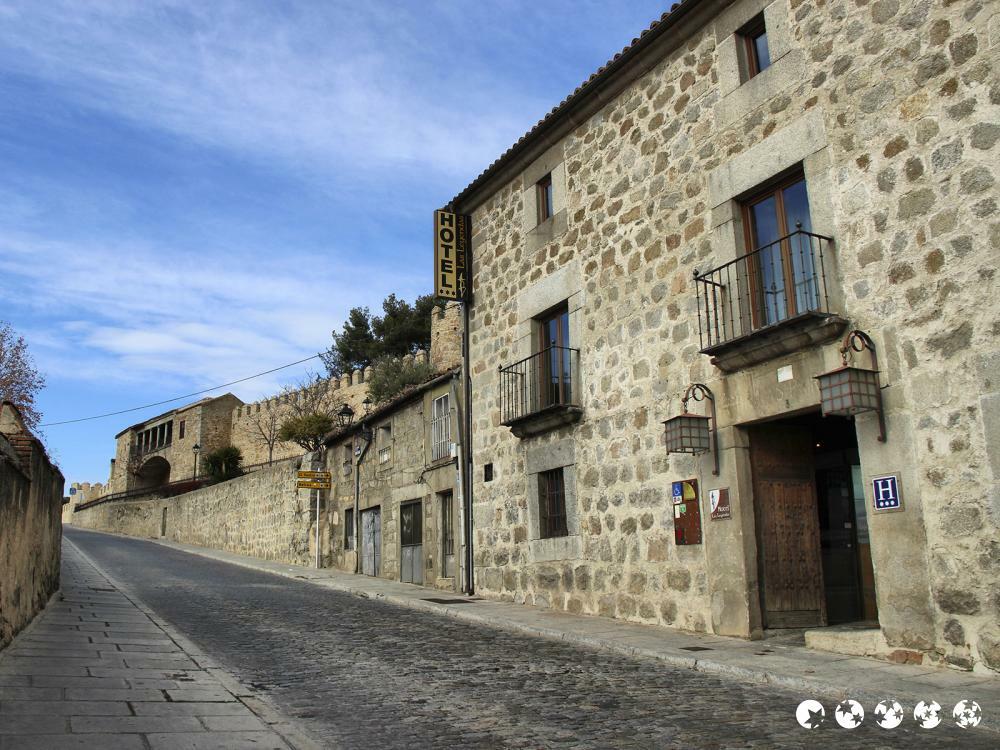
(349, 529)
(385, 444)
(348, 459)
(440, 428)
(552, 504)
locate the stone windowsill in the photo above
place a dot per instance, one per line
(545, 420)
(555, 548)
(777, 340)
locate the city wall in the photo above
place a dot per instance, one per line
(260, 514)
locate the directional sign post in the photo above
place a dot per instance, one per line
(314, 480)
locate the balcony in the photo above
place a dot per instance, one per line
(767, 303)
(541, 392)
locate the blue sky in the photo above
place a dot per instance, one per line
(193, 192)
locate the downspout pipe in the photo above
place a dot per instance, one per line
(467, 451)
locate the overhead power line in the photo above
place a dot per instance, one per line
(180, 398)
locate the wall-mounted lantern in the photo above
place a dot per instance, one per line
(694, 433)
(849, 390)
(345, 416)
(196, 449)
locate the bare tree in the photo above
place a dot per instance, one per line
(266, 425)
(20, 381)
(310, 395)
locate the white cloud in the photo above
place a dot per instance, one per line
(319, 85)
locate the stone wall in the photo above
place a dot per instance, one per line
(891, 109)
(31, 493)
(79, 493)
(260, 514)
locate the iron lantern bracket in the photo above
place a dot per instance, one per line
(857, 341)
(701, 392)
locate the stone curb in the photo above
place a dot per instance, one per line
(817, 687)
(296, 737)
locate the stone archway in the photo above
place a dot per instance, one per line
(154, 473)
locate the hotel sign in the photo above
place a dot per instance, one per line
(452, 254)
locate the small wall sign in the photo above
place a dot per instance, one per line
(718, 500)
(887, 493)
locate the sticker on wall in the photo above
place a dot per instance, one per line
(887, 493)
(718, 500)
(687, 512)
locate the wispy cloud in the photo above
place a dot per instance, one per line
(324, 85)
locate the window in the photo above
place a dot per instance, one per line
(544, 198)
(440, 428)
(348, 459)
(555, 363)
(754, 38)
(488, 472)
(385, 444)
(180, 430)
(349, 529)
(783, 280)
(552, 504)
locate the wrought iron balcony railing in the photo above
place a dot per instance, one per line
(542, 381)
(763, 288)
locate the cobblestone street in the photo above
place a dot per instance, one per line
(362, 673)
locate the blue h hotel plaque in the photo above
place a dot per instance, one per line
(886, 493)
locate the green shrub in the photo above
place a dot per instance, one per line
(306, 430)
(224, 463)
(391, 376)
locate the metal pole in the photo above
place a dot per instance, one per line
(467, 453)
(317, 527)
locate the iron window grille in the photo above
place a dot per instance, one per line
(447, 524)
(543, 380)
(552, 504)
(440, 428)
(734, 300)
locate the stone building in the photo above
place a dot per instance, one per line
(160, 450)
(720, 205)
(395, 507)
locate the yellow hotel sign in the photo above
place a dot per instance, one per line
(452, 244)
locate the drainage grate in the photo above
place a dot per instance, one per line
(695, 648)
(451, 601)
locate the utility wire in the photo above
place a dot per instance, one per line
(179, 398)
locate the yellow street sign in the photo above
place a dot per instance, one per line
(323, 475)
(307, 485)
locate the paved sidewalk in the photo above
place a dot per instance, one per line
(813, 673)
(96, 670)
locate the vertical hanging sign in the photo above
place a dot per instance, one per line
(452, 241)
